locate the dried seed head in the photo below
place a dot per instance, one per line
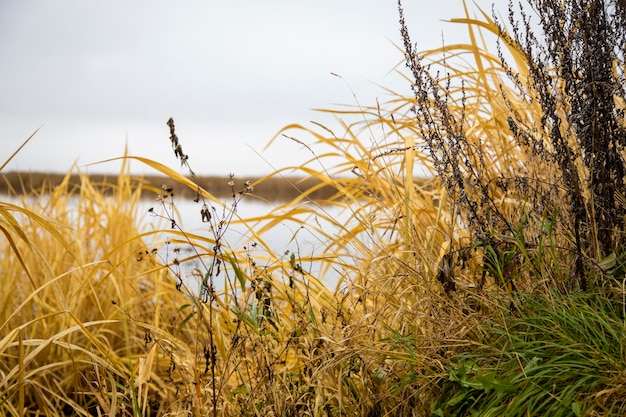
(206, 214)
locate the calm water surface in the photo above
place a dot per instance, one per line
(285, 237)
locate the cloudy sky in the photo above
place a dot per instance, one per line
(96, 75)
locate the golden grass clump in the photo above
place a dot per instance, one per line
(77, 306)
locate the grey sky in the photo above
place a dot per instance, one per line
(98, 74)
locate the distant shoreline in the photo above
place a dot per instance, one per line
(272, 189)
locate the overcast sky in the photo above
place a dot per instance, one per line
(95, 75)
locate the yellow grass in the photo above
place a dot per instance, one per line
(92, 320)
(101, 314)
(75, 301)
(120, 336)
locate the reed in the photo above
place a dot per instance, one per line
(492, 287)
(76, 304)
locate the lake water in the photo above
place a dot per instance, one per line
(285, 237)
(189, 218)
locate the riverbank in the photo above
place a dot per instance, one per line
(270, 189)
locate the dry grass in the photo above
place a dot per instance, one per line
(76, 304)
(434, 310)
